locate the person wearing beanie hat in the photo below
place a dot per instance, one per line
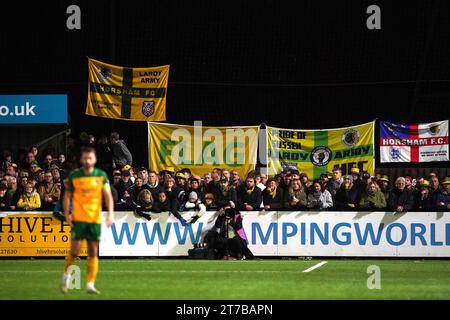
(347, 197)
(194, 203)
(443, 199)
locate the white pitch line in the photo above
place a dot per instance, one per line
(315, 266)
(159, 271)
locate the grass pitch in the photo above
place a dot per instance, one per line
(257, 279)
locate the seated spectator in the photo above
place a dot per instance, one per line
(249, 196)
(226, 195)
(295, 197)
(385, 186)
(319, 198)
(272, 196)
(30, 199)
(443, 200)
(49, 192)
(423, 201)
(400, 199)
(347, 196)
(372, 198)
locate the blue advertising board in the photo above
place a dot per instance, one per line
(33, 109)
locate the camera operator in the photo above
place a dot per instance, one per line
(233, 243)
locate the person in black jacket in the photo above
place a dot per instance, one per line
(225, 195)
(176, 196)
(249, 196)
(272, 196)
(423, 200)
(400, 198)
(346, 198)
(234, 243)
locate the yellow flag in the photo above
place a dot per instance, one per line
(320, 151)
(202, 148)
(137, 94)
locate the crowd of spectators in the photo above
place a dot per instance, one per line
(37, 181)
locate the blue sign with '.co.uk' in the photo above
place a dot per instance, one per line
(33, 109)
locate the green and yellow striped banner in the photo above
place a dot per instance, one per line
(317, 151)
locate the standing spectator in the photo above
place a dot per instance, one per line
(124, 184)
(372, 198)
(30, 199)
(272, 196)
(435, 189)
(104, 154)
(225, 197)
(400, 198)
(304, 181)
(35, 151)
(210, 203)
(29, 159)
(7, 160)
(176, 196)
(194, 186)
(335, 183)
(358, 182)
(19, 191)
(235, 180)
(295, 197)
(285, 181)
(385, 186)
(181, 181)
(213, 185)
(423, 201)
(443, 199)
(259, 182)
(153, 184)
(46, 163)
(227, 174)
(409, 183)
(249, 196)
(11, 170)
(187, 173)
(121, 156)
(4, 201)
(320, 198)
(49, 192)
(143, 174)
(62, 163)
(347, 196)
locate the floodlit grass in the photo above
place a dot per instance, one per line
(257, 279)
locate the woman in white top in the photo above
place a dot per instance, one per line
(319, 198)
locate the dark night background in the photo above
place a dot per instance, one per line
(302, 64)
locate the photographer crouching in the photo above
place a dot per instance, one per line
(231, 243)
